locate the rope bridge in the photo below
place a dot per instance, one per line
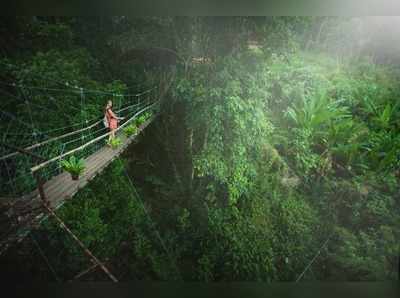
(31, 173)
(32, 182)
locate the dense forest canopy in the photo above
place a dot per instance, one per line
(274, 156)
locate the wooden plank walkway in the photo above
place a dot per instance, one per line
(62, 187)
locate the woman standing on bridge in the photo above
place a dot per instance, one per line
(112, 120)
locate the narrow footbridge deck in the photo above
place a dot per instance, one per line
(62, 187)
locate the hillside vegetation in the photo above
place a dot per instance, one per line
(261, 157)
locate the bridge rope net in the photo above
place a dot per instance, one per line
(24, 131)
(60, 144)
(81, 138)
(53, 168)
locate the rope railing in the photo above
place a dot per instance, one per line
(26, 96)
(88, 132)
(50, 140)
(74, 132)
(61, 143)
(26, 182)
(20, 183)
(40, 166)
(84, 129)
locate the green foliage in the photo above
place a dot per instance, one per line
(234, 250)
(296, 224)
(235, 122)
(316, 120)
(365, 256)
(317, 111)
(142, 118)
(73, 166)
(130, 130)
(280, 34)
(115, 142)
(258, 156)
(54, 35)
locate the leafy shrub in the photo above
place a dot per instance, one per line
(140, 120)
(130, 130)
(364, 256)
(73, 166)
(115, 143)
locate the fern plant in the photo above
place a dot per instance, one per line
(384, 118)
(140, 120)
(73, 166)
(130, 130)
(317, 110)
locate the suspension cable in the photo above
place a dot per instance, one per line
(314, 258)
(84, 248)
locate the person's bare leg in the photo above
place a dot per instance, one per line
(110, 136)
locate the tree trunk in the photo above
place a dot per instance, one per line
(190, 160)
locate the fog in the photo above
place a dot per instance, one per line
(377, 37)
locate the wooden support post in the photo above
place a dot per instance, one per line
(84, 248)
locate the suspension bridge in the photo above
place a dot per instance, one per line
(33, 181)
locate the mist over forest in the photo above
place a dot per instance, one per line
(273, 154)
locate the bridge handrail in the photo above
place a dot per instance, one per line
(73, 132)
(39, 166)
(51, 140)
